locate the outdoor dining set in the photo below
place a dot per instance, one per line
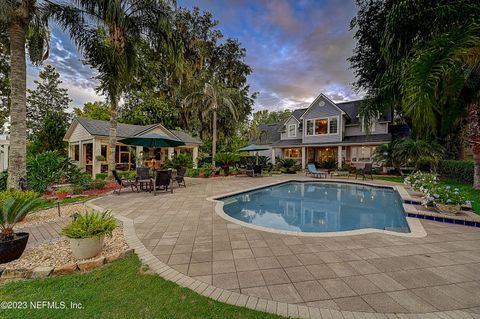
(163, 179)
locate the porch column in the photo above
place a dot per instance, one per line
(96, 150)
(138, 155)
(304, 157)
(195, 156)
(339, 155)
(273, 156)
(81, 153)
(170, 152)
(162, 155)
(177, 150)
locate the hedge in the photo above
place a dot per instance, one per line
(461, 171)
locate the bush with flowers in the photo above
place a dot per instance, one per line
(421, 182)
(445, 198)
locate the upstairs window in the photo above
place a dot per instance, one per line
(322, 126)
(292, 130)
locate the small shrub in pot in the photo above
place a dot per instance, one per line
(87, 231)
(13, 210)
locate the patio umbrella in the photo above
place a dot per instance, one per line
(254, 148)
(152, 140)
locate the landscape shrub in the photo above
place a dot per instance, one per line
(3, 181)
(461, 171)
(179, 160)
(101, 176)
(226, 158)
(206, 170)
(328, 164)
(97, 184)
(192, 172)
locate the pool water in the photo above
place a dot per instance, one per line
(319, 207)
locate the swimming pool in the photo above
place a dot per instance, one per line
(319, 207)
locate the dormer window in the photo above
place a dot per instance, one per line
(292, 130)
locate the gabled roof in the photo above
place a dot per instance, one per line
(352, 109)
(326, 98)
(102, 128)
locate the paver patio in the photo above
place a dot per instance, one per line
(367, 273)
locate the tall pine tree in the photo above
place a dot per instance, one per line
(47, 97)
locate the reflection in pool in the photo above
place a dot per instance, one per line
(319, 207)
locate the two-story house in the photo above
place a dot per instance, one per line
(326, 131)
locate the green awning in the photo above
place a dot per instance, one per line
(152, 140)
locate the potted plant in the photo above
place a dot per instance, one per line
(100, 158)
(226, 159)
(13, 209)
(62, 192)
(445, 199)
(87, 232)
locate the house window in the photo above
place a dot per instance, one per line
(333, 125)
(322, 126)
(362, 153)
(103, 151)
(292, 153)
(76, 153)
(292, 130)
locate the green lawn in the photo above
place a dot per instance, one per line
(119, 290)
(471, 193)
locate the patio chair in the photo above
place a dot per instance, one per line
(312, 170)
(143, 176)
(180, 176)
(163, 180)
(367, 170)
(124, 183)
(250, 170)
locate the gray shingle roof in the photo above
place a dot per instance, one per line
(270, 134)
(102, 128)
(353, 107)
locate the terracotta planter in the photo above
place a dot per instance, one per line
(84, 248)
(11, 249)
(447, 209)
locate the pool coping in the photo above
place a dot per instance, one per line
(416, 227)
(252, 302)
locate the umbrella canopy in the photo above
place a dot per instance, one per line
(152, 140)
(254, 148)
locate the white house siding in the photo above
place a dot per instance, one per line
(79, 134)
(317, 111)
(284, 135)
(356, 130)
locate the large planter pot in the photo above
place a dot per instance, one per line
(85, 248)
(11, 249)
(447, 209)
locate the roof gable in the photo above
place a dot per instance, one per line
(314, 103)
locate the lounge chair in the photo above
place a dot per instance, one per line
(312, 170)
(367, 170)
(180, 176)
(124, 183)
(163, 179)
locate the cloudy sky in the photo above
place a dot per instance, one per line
(297, 49)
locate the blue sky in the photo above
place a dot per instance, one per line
(297, 49)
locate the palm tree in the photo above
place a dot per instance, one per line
(27, 25)
(432, 50)
(109, 33)
(410, 151)
(213, 97)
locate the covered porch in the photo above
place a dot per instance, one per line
(93, 155)
(355, 155)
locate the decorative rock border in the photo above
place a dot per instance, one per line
(255, 303)
(45, 271)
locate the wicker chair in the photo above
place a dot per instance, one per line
(163, 180)
(124, 183)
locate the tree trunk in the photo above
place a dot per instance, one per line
(474, 139)
(18, 131)
(214, 136)
(113, 135)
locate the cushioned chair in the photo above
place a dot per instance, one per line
(366, 171)
(163, 180)
(124, 183)
(180, 178)
(312, 170)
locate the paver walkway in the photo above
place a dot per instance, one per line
(366, 273)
